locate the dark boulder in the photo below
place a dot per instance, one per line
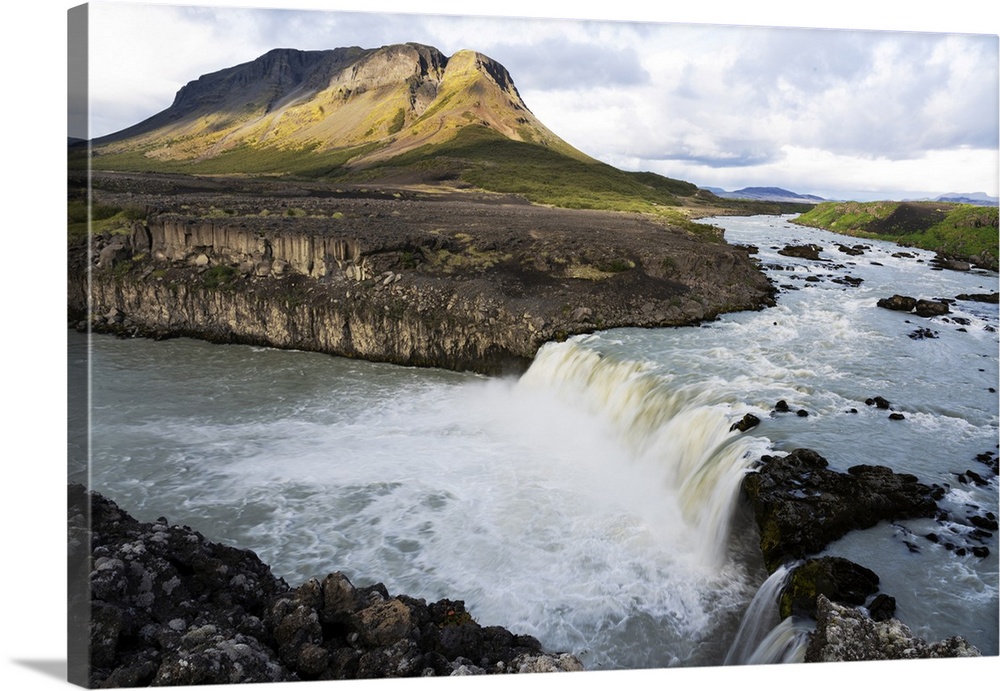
(801, 251)
(942, 262)
(748, 422)
(899, 303)
(987, 521)
(931, 308)
(922, 334)
(838, 579)
(855, 251)
(990, 298)
(990, 460)
(882, 608)
(800, 505)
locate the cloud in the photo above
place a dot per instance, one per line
(869, 93)
(561, 64)
(685, 96)
(738, 97)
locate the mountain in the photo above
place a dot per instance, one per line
(977, 198)
(347, 106)
(769, 194)
(399, 115)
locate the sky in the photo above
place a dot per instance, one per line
(855, 114)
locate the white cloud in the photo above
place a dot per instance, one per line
(837, 176)
(709, 102)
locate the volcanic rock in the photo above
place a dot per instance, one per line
(801, 251)
(749, 421)
(839, 579)
(800, 505)
(469, 283)
(992, 298)
(846, 634)
(161, 605)
(931, 308)
(900, 303)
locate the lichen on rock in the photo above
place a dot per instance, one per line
(845, 634)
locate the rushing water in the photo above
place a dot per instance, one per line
(592, 503)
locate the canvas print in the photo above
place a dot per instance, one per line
(418, 345)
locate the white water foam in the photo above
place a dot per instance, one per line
(678, 435)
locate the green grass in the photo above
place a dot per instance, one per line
(961, 231)
(485, 159)
(478, 156)
(397, 121)
(104, 218)
(219, 276)
(308, 162)
(846, 216)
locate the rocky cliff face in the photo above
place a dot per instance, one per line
(462, 285)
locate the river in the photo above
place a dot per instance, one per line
(592, 502)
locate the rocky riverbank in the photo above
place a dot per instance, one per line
(157, 604)
(469, 282)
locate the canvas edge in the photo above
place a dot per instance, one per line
(78, 384)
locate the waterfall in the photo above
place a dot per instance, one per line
(760, 618)
(682, 433)
(786, 642)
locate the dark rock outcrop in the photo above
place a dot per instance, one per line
(836, 578)
(931, 308)
(747, 422)
(990, 298)
(899, 303)
(855, 251)
(161, 605)
(801, 251)
(943, 262)
(921, 307)
(800, 504)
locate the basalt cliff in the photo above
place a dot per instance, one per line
(477, 284)
(391, 204)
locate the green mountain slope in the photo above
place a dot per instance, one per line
(305, 112)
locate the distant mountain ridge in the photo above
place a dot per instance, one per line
(977, 198)
(769, 194)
